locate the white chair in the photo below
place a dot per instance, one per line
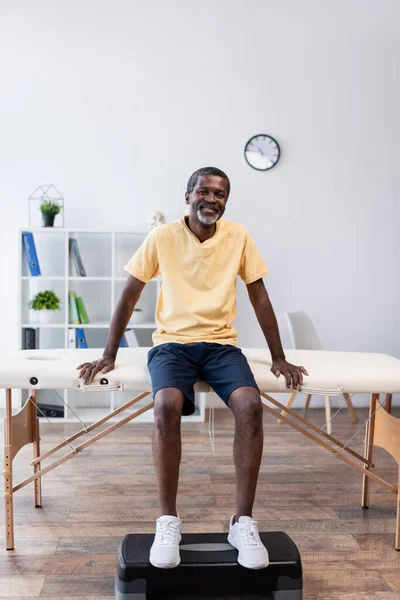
(305, 337)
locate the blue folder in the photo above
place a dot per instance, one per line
(30, 253)
(80, 338)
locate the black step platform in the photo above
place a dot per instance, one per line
(208, 569)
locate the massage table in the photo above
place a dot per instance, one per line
(330, 374)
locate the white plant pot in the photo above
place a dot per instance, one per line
(136, 318)
(46, 316)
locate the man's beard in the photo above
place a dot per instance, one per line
(207, 219)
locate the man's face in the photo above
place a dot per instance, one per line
(208, 199)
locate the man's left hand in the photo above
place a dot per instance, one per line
(292, 374)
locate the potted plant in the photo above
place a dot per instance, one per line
(49, 210)
(137, 316)
(46, 303)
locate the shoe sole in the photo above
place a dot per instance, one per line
(164, 566)
(255, 568)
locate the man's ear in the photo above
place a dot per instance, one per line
(187, 198)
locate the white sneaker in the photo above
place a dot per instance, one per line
(164, 552)
(244, 536)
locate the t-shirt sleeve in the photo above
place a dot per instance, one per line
(144, 264)
(252, 266)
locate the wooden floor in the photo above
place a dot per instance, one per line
(67, 549)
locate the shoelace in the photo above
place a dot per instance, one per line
(167, 532)
(249, 533)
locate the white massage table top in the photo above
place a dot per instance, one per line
(351, 372)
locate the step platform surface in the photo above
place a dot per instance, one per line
(208, 569)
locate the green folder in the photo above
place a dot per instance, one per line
(82, 310)
(74, 317)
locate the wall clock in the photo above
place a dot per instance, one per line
(262, 152)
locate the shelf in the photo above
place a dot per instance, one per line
(93, 414)
(107, 325)
(104, 257)
(142, 325)
(42, 277)
(37, 324)
(65, 230)
(76, 278)
(146, 325)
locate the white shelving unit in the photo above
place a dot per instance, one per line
(103, 254)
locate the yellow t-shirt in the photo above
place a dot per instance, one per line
(197, 302)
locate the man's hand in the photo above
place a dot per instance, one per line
(292, 374)
(90, 369)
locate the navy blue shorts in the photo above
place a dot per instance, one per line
(223, 366)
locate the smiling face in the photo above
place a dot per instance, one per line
(208, 199)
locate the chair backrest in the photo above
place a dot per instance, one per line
(302, 331)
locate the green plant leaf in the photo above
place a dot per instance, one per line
(48, 207)
(45, 300)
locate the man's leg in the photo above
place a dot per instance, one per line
(229, 374)
(173, 374)
(167, 448)
(245, 404)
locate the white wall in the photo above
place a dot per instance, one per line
(118, 102)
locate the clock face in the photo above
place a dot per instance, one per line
(262, 152)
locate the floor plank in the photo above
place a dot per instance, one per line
(20, 586)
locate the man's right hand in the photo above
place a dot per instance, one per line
(90, 369)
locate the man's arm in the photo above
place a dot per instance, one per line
(266, 317)
(123, 311)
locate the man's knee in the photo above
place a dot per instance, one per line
(246, 405)
(168, 404)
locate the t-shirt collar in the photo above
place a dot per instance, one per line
(183, 220)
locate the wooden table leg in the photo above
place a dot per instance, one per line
(328, 414)
(36, 451)
(350, 407)
(368, 446)
(307, 403)
(8, 479)
(289, 403)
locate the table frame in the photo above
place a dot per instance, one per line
(382, 429)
